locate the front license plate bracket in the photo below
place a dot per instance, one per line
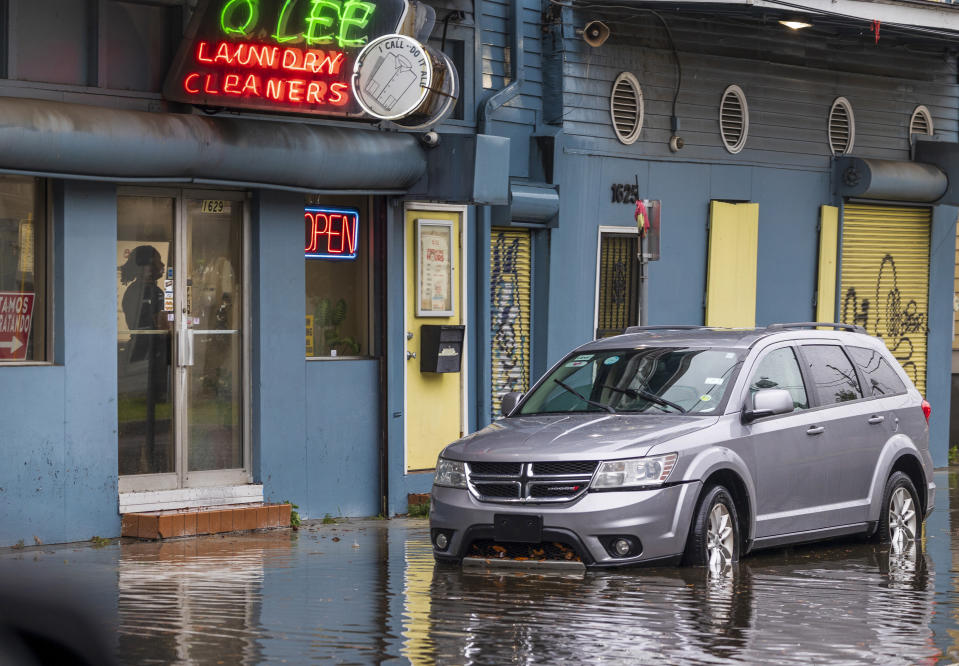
(517, 528)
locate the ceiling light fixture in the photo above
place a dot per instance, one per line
(795, 25)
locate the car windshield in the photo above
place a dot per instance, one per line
(669, 380)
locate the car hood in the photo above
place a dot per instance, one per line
(573, 437)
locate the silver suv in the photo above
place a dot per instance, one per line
(691, 444)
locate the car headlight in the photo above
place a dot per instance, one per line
(451, 473)
(634, 473)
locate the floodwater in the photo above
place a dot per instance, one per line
(368, 592)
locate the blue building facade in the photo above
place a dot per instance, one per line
(520, 210)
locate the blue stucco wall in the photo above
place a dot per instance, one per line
(316, 423)
(942, 263)
(280, 458)
(788, 199)
(59, 478)
(342, 437)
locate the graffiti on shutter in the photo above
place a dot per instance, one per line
(618, 305)
(885, 279)
(510, 269)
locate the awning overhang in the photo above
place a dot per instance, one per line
(89, 142)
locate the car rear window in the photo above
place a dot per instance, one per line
(881, 379)
(834, 379)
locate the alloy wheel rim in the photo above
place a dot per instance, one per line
(902, 519)
(720, 539)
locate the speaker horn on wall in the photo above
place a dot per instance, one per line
(596, 33)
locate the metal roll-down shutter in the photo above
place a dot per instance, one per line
(884, 279)
(510, 303)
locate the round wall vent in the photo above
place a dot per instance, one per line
(921, 122)
(734, 119)
(626, 108)
(842, 127)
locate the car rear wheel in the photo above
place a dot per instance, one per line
(714, 535)
(899, 521)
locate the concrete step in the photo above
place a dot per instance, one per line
(210, 520)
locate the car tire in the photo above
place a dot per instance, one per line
(714, 534)
(900, 521)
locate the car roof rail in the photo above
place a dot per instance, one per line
(665, 327)
(838, 326)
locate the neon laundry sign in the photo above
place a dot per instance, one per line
(279, 55)
(331, 233)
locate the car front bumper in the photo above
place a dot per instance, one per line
(659, 518)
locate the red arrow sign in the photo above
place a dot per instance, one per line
(16, 316)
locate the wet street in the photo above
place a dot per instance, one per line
(368, 592)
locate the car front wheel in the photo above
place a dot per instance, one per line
(714, 535)
(899, 523)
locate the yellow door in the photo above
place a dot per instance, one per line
(828, 244)
(434, 401)
(884, 279)
(731, 271)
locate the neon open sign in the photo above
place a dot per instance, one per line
(331, 233)
(281, 55)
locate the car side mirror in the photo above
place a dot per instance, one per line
(509, 402)
(768, 402)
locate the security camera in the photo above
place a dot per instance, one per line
(595, 33)
(430, 139)
(676, 143)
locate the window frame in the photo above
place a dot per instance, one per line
(807, 372)
(862, 375)
(372, 310)
(804, 378)
(45, 195)
(612, 232)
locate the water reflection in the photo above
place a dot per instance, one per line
(369, 592)
(193, 600)
(853, 603)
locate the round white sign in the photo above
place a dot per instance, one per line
(392, 76)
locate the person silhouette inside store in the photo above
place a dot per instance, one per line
(143, 311)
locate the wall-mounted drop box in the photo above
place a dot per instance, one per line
(441, 348)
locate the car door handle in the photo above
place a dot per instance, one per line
(815, 430)
(876, 419)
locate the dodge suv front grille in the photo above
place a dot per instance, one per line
(529, 482)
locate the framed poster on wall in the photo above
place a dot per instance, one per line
(434, 268)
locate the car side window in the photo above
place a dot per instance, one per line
(779, 369)
(881, 379)
(834, 379)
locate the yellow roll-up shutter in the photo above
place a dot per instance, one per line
(510, 278)
(884, 279)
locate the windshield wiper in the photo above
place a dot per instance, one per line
(608, 408)
(646, 395)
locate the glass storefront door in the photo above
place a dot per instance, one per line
(181, 340)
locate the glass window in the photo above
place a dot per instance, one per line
(146, 266)
(881, 379)
(137, 42)
(23, 277)
(832, 374)
(51, 41)
(653, 379)
(779, 369)
(337, 254)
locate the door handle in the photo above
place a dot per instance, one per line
(876, 419)
(185, 351)
(815, 430)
